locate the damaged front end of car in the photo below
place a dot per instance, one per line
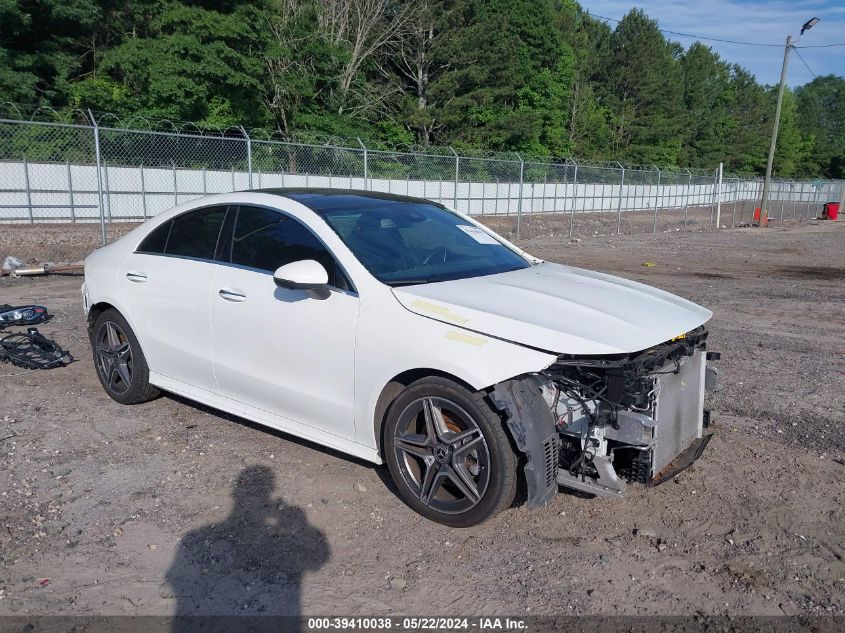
(597, 424)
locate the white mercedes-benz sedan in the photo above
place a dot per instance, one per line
(399, 331)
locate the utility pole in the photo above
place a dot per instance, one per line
(764, 203)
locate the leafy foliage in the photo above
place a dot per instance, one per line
(541, 77)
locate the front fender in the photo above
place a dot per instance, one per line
(393, 344)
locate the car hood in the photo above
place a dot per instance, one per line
(558, 308)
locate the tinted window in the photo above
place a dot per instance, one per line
(404, 242)
(194, 234)
(156, 241)
(267, 239)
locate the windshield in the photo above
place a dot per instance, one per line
(405, 242)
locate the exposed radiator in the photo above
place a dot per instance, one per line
(679, 409)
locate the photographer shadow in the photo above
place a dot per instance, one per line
(250, 564)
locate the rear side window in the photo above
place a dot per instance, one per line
(194, 234)
(156, 241)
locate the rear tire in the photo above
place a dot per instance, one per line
(448, 453)
(119, 360)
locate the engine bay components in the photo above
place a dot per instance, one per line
(635, 418)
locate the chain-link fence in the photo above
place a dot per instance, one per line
(67, 188)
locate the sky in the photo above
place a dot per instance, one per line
(762, 21)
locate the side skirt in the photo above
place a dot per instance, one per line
(265, 418)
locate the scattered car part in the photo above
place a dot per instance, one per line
(22, 315)
(33, 350)
(9, 263)
(19, 270)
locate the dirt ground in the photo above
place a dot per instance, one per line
(168, 507)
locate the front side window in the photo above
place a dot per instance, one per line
(408, 242)
(266, 239)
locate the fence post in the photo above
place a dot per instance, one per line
(366, 166)
(619, 201)
(686, 196)
(176, 187)
(99, 176)
(28, 190)
(457, 170)
(656, 199)
(713, 198)
(815, 197)
(248, 155)
(719, 200)
(574, 198)
(143, 193)
(842, 195)
(737, 188)
(808, 204)
(781, 196)
(108, 190)
(519, 201)
(70, 192)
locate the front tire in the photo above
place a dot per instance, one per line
(119, 360)
(448, 453)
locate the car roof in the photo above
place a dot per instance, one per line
(318, 199)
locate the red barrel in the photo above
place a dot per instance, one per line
(831, 211)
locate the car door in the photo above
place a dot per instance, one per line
(166, 284)
(287, 352)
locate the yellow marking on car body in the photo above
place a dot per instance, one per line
(441, 311)
(469, 339)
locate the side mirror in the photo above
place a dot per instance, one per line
(306, 274)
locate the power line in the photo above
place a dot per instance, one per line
(717, 39)
(806, 65)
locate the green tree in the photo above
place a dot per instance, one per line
(542, 77)
(750, 127)
(510, 77)
(642, 85)
(195, 64)
(821, 118)
(588, 129)
(44, 45)
(708, 97)
(792, 148)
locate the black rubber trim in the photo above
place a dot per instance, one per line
(532, 426)
(683, 461)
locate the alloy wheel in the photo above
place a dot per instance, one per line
(442, 454)
(114, 357)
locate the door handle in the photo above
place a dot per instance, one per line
(138, 278)
(230, 295)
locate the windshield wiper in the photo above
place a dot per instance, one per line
(409, 282)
